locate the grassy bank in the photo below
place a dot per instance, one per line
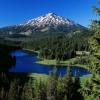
(38, 77)
(45, 77)
(30, 50)
(54, 62)
(62, 63)
(85, 78)
(68, 62)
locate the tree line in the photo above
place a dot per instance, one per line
(12, 87)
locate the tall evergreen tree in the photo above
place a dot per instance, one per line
(68, 84)
(91, 89)
(40, 90)
(27, 93)
(52, 86)
(77, 88)
(95, 44)
(13, 91)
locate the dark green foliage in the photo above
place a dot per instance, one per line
(77, 88)
(27, 92)
(95, 44)
(62, 48)
(71, 86)
(52, 45)
(40, 90)
(91, 89)
(68, 85)
(12, 94)
(21, 87)
(52, 86)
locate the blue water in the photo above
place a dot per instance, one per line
(26, 62)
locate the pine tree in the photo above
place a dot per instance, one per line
(95, 44)
(27, 93)
(2, 94)
(60, 89)
(77, 87)
(91, 89)
(13, 91)
(52, 86)
(68, 84)
(40, 90)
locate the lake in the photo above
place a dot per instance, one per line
(26, 62)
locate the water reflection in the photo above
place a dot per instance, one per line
(6, 60)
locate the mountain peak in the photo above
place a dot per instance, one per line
(50, 20)
(51, 14)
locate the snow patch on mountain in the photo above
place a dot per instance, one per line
(50, 20)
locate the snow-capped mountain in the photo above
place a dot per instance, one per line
(47, 23)
(50, 19)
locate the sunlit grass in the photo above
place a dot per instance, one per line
(69, 62)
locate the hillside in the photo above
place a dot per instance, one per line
(42, 26)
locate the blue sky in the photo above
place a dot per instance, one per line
(18, 11)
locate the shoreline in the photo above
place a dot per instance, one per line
(53, 62)
(30, 50)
